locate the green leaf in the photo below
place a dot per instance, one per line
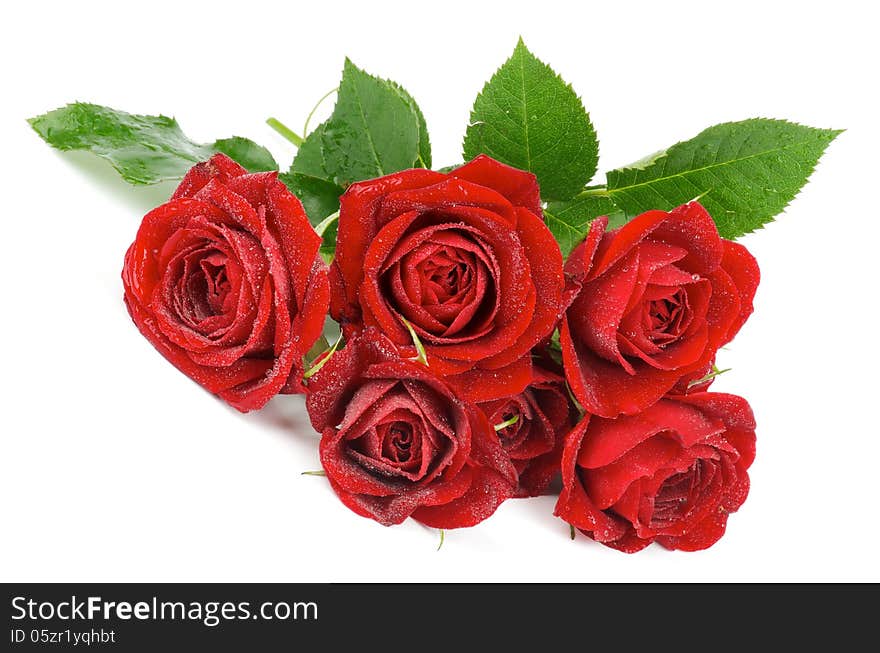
(246, 153)
(526, 116)
(570, 221)
(143, 149)
(309, 159)
(309, 181)
(744, 172)
(374, 129)
(319, 197)
(424, 158)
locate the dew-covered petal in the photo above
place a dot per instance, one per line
(518, 186)
(745, 274)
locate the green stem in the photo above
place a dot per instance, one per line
(285, 131)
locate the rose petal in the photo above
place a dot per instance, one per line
(394, 509)
(745, 274)
(606, 485)
(286, 221)
(440, 197)
(606, 389)
(580, 260)
(690, 227)
(619, 242)
(219, 167)
(358, 226)
(611, 439)
(215, 380)
(700, 536)
(478, 385)
(308, 323)
(573, 505)
(518, 186)
(332, 387)
(487, 491)
(545, 265)
(594, 317)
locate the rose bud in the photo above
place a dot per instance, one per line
(464, 258)
(531, 426)
(672, 473)
(397, 442)
(653, 301)
(225, 281)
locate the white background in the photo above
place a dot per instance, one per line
(114, 466)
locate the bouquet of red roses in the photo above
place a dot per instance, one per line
(502, 327)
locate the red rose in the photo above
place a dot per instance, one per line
(397, 442)
(464, 257)
(535, 421)
(655, 300)
(225, 281)
(672, 473)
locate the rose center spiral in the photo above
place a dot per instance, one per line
(675, 498)
(397, 442)
(445, 286)
(217, 285)
(665, 318)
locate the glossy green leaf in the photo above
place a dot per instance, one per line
(424, 157)
(743, 172)
(374, 129)
(246, 153)
(319, 197)
(143, 149)
(309, 180)
(309, 159)
(569, 221)
(526, 116)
